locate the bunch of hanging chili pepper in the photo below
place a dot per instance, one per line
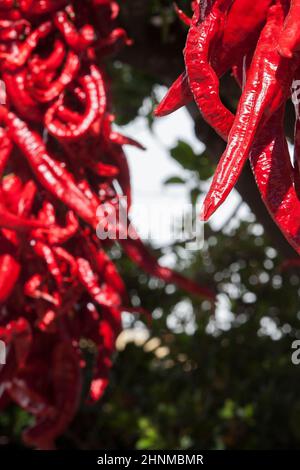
(60, 159)
(260, 43)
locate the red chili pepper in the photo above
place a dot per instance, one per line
(273, 172)
(18, 94)
(203, 80)
(20, 57)
(9, 273)
(74, 132)
(77, 40)
(68, 74)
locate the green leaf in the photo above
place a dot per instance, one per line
(174, 180)
(184, 155)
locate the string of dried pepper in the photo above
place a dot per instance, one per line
(60, 159)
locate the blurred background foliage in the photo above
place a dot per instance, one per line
(197, 376)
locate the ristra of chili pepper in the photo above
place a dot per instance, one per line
(289, 41)
(74, 132)
(50, 173)
(244, 21)
(68, 74)
(203, 80)
(77, 40)
(13, 61)
(267, 88)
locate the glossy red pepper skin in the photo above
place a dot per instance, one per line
(203, 81)
(10, 270)
(273, 172)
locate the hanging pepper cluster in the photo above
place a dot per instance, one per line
(259, 42)
(62, 168)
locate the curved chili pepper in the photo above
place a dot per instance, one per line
(203, 80)
(77, 40)
(74, 132)
(19, 58)
(68, 74)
